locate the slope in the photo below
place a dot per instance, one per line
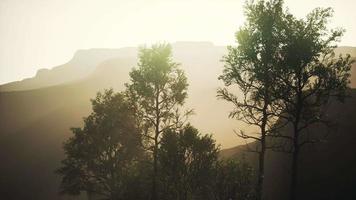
(327, 169)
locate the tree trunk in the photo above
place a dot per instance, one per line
(261, 159)
(294, 175)
(154, 179)
(261, 169)
(295, 155)
(155, 163)
(155, 148)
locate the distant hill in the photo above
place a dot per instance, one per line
(36, 113)
(83, 63)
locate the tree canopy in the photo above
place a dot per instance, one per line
(157, 89)
(187, 161)
(101, 155)
(287, 72)
(251, 66)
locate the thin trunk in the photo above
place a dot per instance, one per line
(295, 155)
(261, 168)
(154, 180)
(155, 148)
(294, 174)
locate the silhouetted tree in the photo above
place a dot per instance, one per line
(250, 66)
(187, 162)
(233, 180)
(101, 158)
(157, 89)
(309, 75)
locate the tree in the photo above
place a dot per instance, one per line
(101, 158)
(187, 163)
(308, 75)
(233, 180)
(250, 66)
(157, 89)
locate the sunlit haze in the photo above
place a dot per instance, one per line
(42, 34)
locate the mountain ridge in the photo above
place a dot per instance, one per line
(82, 63)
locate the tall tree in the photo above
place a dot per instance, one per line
(250, 66)
(308, 75)
(157, 89)
(187, 163)
(100, 156)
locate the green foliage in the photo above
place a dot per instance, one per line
(308, 75)
(134, 145)
(102, 156)
(308, 71)
(251, 66)
(233, 180)
(157, 90)
(157, 86)
(187, 162)
(286, 70)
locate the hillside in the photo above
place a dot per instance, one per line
(36, 114)
(200, 61)
(36, 122)
(327, 170)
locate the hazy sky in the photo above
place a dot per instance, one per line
(38, 34)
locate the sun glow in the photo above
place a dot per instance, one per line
(42, 34)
